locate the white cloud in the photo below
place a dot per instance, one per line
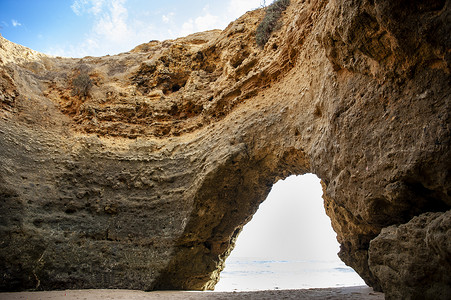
(207, 21)
(91, 6)
(204, 22)
(15, 23)
(237, 8)
(78, 6)
(167, 18)
(112, 25)
(110, 16)
(187, 28)
(97, 6)
(111, 31)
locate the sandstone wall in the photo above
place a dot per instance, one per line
(147, 181)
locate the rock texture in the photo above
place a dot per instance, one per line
(145, 182)
(414, 259)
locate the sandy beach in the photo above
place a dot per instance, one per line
(358, 292)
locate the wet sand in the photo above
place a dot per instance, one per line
(357, 292)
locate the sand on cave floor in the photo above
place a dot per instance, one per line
(356, 292)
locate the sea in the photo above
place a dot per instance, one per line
(254, 274)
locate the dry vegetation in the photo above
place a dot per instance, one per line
(270, 22)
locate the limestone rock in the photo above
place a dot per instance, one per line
(414, 258)
(146, 181)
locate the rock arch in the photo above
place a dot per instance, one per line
(224, 203)
(142, 186)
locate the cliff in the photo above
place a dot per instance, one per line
(142, 175)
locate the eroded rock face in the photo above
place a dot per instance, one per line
(147, 181)
(414, 258)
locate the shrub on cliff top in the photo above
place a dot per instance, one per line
(81, 85)
(270, 21)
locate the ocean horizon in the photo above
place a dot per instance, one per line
(255, 274)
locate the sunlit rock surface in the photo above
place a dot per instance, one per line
(147, 181)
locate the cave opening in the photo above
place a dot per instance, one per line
(288, 244)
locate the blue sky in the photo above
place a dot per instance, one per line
(77, 28)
